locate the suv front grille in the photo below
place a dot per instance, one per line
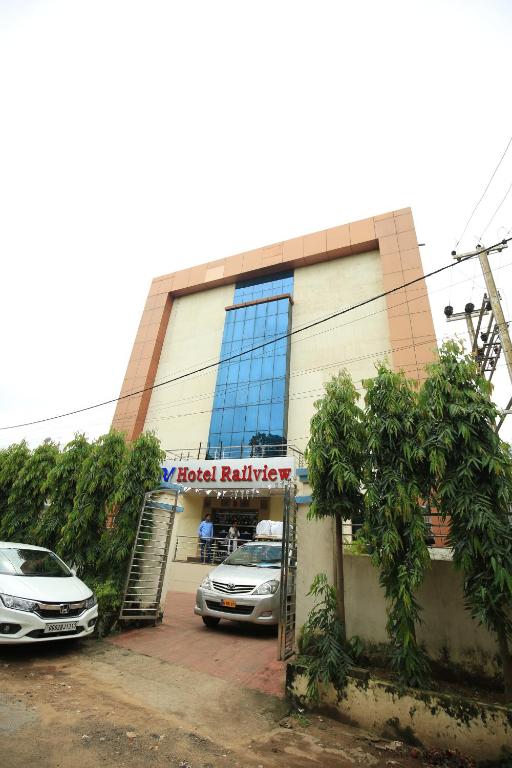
(60, 610)
(233, 589)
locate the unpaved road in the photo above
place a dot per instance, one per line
(92, 703)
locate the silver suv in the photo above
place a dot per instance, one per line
(245, 587)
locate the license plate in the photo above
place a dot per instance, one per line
(228, 603)
(63, 626)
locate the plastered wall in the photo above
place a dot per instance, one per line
(179, 413)
(354, 341)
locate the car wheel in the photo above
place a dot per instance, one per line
(210, 621)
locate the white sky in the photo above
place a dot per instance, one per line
(137, 138)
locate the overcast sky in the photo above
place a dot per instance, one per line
(137, 138)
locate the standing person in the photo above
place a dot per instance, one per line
(233, 536)
(205, 534)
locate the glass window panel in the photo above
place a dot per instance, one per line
(267, 369)
(228, 331)
(264, 418)
(265, 392)
(227, 419)
(251, 418)
(233, 373)
(218, 400)
(259, 327)
(230, 397)
(237, 438)
(280, 366)
(255, 374)
(214, 439)
(278, 390)
(223, 374)
(239, 419)
(282, 323)
(241, 394)
(248, 399)
(216, 421)
(248, 329)
(270, 325)
(253, 394)
(244, 370)
(276, 417)
(238, 331)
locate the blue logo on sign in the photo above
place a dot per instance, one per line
(168, 473)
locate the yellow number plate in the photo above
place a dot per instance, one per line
(229, 603)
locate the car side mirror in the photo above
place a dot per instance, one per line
(73, 571)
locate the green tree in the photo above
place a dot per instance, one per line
(335, 458)
(27, 498)
(471, 469)
(12, 460)
(140, 473)
(60, 488)
(82, 533)
(395, 526)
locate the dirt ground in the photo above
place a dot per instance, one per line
(93, 703)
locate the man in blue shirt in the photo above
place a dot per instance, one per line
(205, 533)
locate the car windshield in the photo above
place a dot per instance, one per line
(256, 555)
(31, 562)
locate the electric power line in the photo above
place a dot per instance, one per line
(258, 346)
(495, 212)
(484, 192)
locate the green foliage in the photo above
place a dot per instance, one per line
(82, 533)
(323, 650)
(395, 526)
(62, 501)
(12, 460)
(471, 470)
(109, 598)
(61, 487)
(336, 451)
(139, 474)
(27, 498)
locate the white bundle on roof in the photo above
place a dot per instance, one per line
(264, 528)
(269, 528)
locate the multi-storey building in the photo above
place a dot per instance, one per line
(243, 375)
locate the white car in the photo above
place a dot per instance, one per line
(245, 587)
(41, 599)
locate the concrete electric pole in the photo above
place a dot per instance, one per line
(496, 308)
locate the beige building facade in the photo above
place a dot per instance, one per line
(225, 367)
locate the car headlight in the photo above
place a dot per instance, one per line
(206, 583)
(18, 603)
(91, 602)
(267, 588)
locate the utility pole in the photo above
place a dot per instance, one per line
(495, 302)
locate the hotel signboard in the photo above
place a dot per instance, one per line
(229, 473)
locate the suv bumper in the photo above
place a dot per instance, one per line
(25, 627)
(256, 609)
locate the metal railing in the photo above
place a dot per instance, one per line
(188, 549)
(437, 531)
(241, 451)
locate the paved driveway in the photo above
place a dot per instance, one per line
(239, 653)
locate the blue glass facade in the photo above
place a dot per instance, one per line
(251, 393)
